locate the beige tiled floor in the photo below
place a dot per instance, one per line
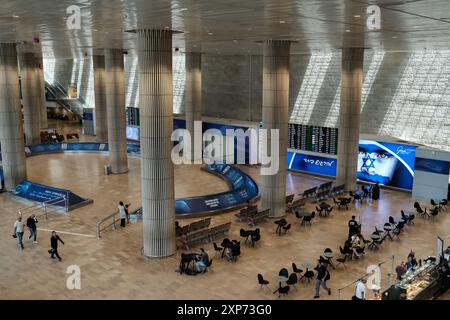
(113, 267)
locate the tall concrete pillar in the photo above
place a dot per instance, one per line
(11, 129)
(275, 116)
(193, 101)
(349, 116)
(115, 105)
(157, 174)
(101, 126)
(42, 99)
(30, 97)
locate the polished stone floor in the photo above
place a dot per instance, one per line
(112, 267)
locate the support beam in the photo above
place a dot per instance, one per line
(29, 80)
(275, 116)
(115, 104)
(349, 116)
(157, 173)
(11, 130)
(101, 125)
(42, 99)
(193, 105)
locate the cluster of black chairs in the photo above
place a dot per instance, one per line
(290, 280)
(229, 248)
(282, 226)
(436, 208)
(253, 235)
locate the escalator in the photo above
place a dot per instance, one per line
(57, 93)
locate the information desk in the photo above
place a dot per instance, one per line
(422, 283)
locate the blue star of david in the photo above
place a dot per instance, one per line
(365, 161)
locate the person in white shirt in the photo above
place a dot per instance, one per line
(122, 214)
(360, 293)
(18, 231)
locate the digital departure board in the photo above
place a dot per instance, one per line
(132, 116)
(313, 138)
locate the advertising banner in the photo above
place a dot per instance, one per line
(312, 164)
(387, 163)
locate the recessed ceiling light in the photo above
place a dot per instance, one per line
(282, 21)
(194, 45)
(234, 41)
(357, 16)
(394, 37)
(210, 33)
(184, 9)
(95, 30)
(15, 16)
(166, 27)
(415, 26)
(348, 30)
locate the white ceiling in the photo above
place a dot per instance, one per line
(226, 26)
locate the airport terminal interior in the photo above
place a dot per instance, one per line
(225, 150)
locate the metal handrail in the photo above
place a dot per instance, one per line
(113, 223)
(44, 205)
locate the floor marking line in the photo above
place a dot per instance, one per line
(71, 233)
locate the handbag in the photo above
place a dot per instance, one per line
(14, 235)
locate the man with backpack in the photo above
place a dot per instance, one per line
(322, 277)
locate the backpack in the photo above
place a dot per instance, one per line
(327, 277)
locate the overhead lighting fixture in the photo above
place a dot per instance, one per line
(415, 26)
(194, 45)
(95, 30)
(210, 33)
(184, 9)
(282, 21)
(15, 16)
(394, 37)
(357, 16)
(166, 27)
(348, 30)
(234, 41)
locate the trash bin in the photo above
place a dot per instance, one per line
(107, 170)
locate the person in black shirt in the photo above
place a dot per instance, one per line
(31, 224)
(376, 191)
(54, 245)
(353, 227)
(322, 277)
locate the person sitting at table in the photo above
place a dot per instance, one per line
(365, 191)
(202, 261)
(348, 247)
(356, 246)
(412, 262)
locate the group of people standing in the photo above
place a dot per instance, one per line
(31, 224)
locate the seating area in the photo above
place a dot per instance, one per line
(201, 235)
(51, 136)
(252, 216)
(194, 226)
(72, 137)
(323, 192)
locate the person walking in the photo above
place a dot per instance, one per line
(54, 245)
(360, 291)
(127, 213)
(353, 227)
(376, 191)
(322, 277)
(18, 231)
(122, 214)
(31, 224)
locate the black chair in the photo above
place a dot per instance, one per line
(391, 220)
(435, 205)
(283, 273)
(434, 212)
(341, 260)
(282, 291)
(377, 240)
(420, 211)
(387, 230)
(328, 211)
(319, 210)
(398, 228)
(292, 280)
(295, 269)
(262, 281)
(298, 216)
(255, 237)
(308, 219)
(345, 253)
(217, 248)
(286, 228)
(245, 234)
(208, 266)
(235, 251)
(280, 224)
(443, 204)
(308, 275)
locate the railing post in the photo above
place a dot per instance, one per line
(67, 202)
(45, 212)
(114, 221)
(98, 230)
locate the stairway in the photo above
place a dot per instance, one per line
(56, 92)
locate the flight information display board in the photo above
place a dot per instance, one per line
(312, 138)
(132, 116)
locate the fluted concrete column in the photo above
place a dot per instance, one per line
(349, 116)
(31, 100)
(157, 174)
(101, 126)
(193, 101)
(275, 116)
(42, 99)
(115, 105)
(11, 130)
